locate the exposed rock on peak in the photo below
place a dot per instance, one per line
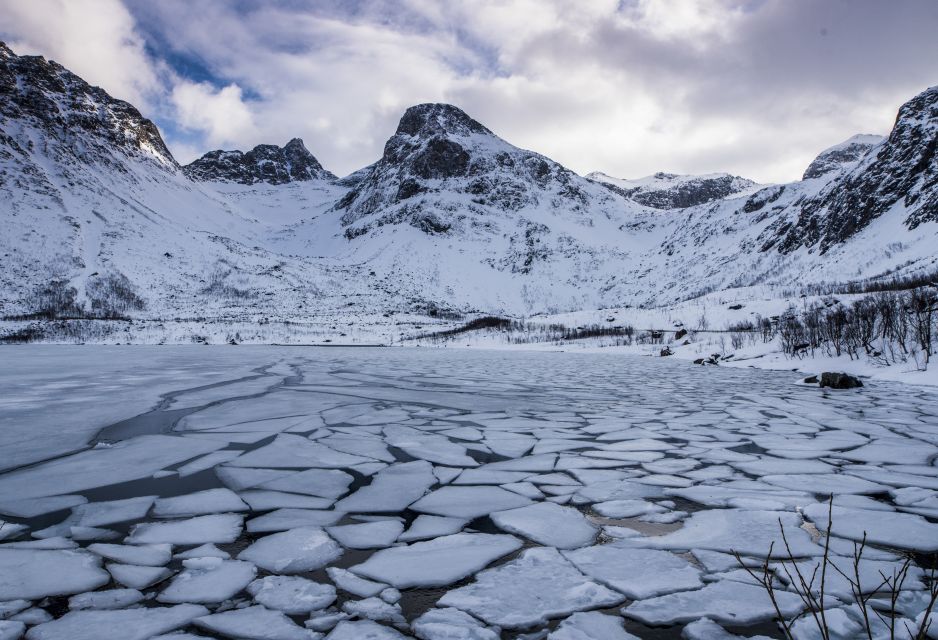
(440, 164)
(841, 157)
(264, 163)
(674, 191)
(82, 120)
(437, 119)
(901, 172)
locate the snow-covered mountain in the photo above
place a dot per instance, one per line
(99, 219)
(673, 191)
(841, 157)
(264, 163)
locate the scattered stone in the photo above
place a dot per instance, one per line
(839, 380)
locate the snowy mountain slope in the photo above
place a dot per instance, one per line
(672, 191)
(843, 156)
(456, 212)
(99, 219)
(900, 174)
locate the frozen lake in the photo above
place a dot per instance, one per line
(264, 492)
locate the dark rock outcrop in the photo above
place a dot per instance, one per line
(903, 172)
(264, 163)
(672, 191)
(839, 380)
(84, 123)
(842, 156)
(440, 162)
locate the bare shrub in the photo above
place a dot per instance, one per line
(112, 296)
(811, 589)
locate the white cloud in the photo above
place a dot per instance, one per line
(95, 39)
(220, 113)
(628, 87)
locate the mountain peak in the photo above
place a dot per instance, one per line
(842, 156)
(75, 114)
(296, 144)
(434, 119)
(664, 190)
(264, 163)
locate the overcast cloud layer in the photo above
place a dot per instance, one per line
(629, 88)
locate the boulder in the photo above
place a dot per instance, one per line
(810, 380)
(839, 380)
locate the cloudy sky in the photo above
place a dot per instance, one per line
(628, 87)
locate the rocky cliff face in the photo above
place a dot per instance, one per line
(441, 156)
(901, 172)
(83, 123)
(264, 163)
(672, 191)
(449, 217)
(841, 157)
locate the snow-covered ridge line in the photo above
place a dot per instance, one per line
(451, 220)
(673, 191)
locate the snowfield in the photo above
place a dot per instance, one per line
(289, 492)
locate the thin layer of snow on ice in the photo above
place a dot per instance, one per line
(289, 451)
(294, 551)
(32, 574)
(154, 555)
(469, 502)
(325, 483)
(109, 599)
(548, 524)
(289, 518)
(364, 630)
(707, 629)
(392, 489)
(902, 530)
(449, 624)
(529, 590)
(217, 528)
(32, 507)
(12, 629)
(591, 626)
(292, 594)
(404, 466)
(747, 532)
(96, 514)
(199, 503)
(437, 562)
(726, 601)
(265, 500)
(257, 622)
(425, 526)
(208, 580)
(638, 573)
(137, 576)
(367, 535)
(124, 461)
(348, 581)
(374, 609)
(121, 624)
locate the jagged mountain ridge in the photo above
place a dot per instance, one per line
(450, 217)
(264, 163)
(901, 172)
(841, 157)
(439, 149)
(674, 191)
